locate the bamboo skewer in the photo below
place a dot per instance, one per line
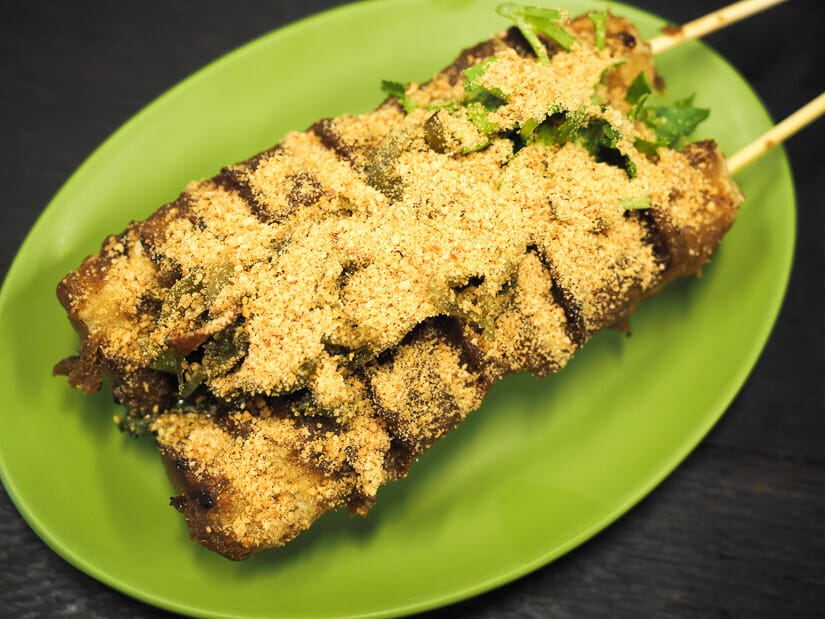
(782, 131)
(709, 23)
(722, 18)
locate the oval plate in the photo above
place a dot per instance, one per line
(542, 466)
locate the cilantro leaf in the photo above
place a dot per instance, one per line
(474, 74)
(596, 135)
(599, 19)
(397, 90)
(527, 128)
(477, 113)
(637, 94)
(532, 20)
(475, 88)
(674, 123)
(638, 203)
(490, 97)
(646, 147)
(671, 123)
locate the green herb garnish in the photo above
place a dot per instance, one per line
(595, 98)
(490, 97)
(599, 19)
(397, 90)
(674, 123)
(635, 204)
(671, 123)
(477, 113)
(595, 135)
(473, 75)
(646, 147)
(532, 20)
(637, 94)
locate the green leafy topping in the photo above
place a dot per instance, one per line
(635, 204)
(532, 20)
(596, 135)
(474, 74)
(563, 127)
(674, 123)
(490, 97)
(477, 113)
(466, 150)
(526, 130)
(637, 94)
(646, 147)
(397, 90)
(599, 19)
(218, 356)
(464, 130)
(170, 361)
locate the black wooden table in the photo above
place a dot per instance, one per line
(737, 530)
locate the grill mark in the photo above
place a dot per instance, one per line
(325, 132)
(152, 235)
(199, 500)
(391, 418)
(306, 190)
(411, 446)
(233, 180)
(253, 163)
(154, 228)
(455, 333)
(574, 321)
(399, 458)
(575, 327)
(233, 425)
(655, 238)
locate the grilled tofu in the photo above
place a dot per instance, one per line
(296, 330)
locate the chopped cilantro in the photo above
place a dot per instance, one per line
(596, 135)
(599, 19)
(397, 90)
(466, 150)
(637, 94)
(674, 123)
(474, 74)
(671, 123)
(526, 130)
(638, 203)
(477, 113)
(646, 147)
(490, 97)
(532, 20)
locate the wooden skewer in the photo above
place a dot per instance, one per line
(719, 19)
(782, 131)
(709, 23)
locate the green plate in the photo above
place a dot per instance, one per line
(542, 466)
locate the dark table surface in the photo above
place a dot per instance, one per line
(737, 530)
